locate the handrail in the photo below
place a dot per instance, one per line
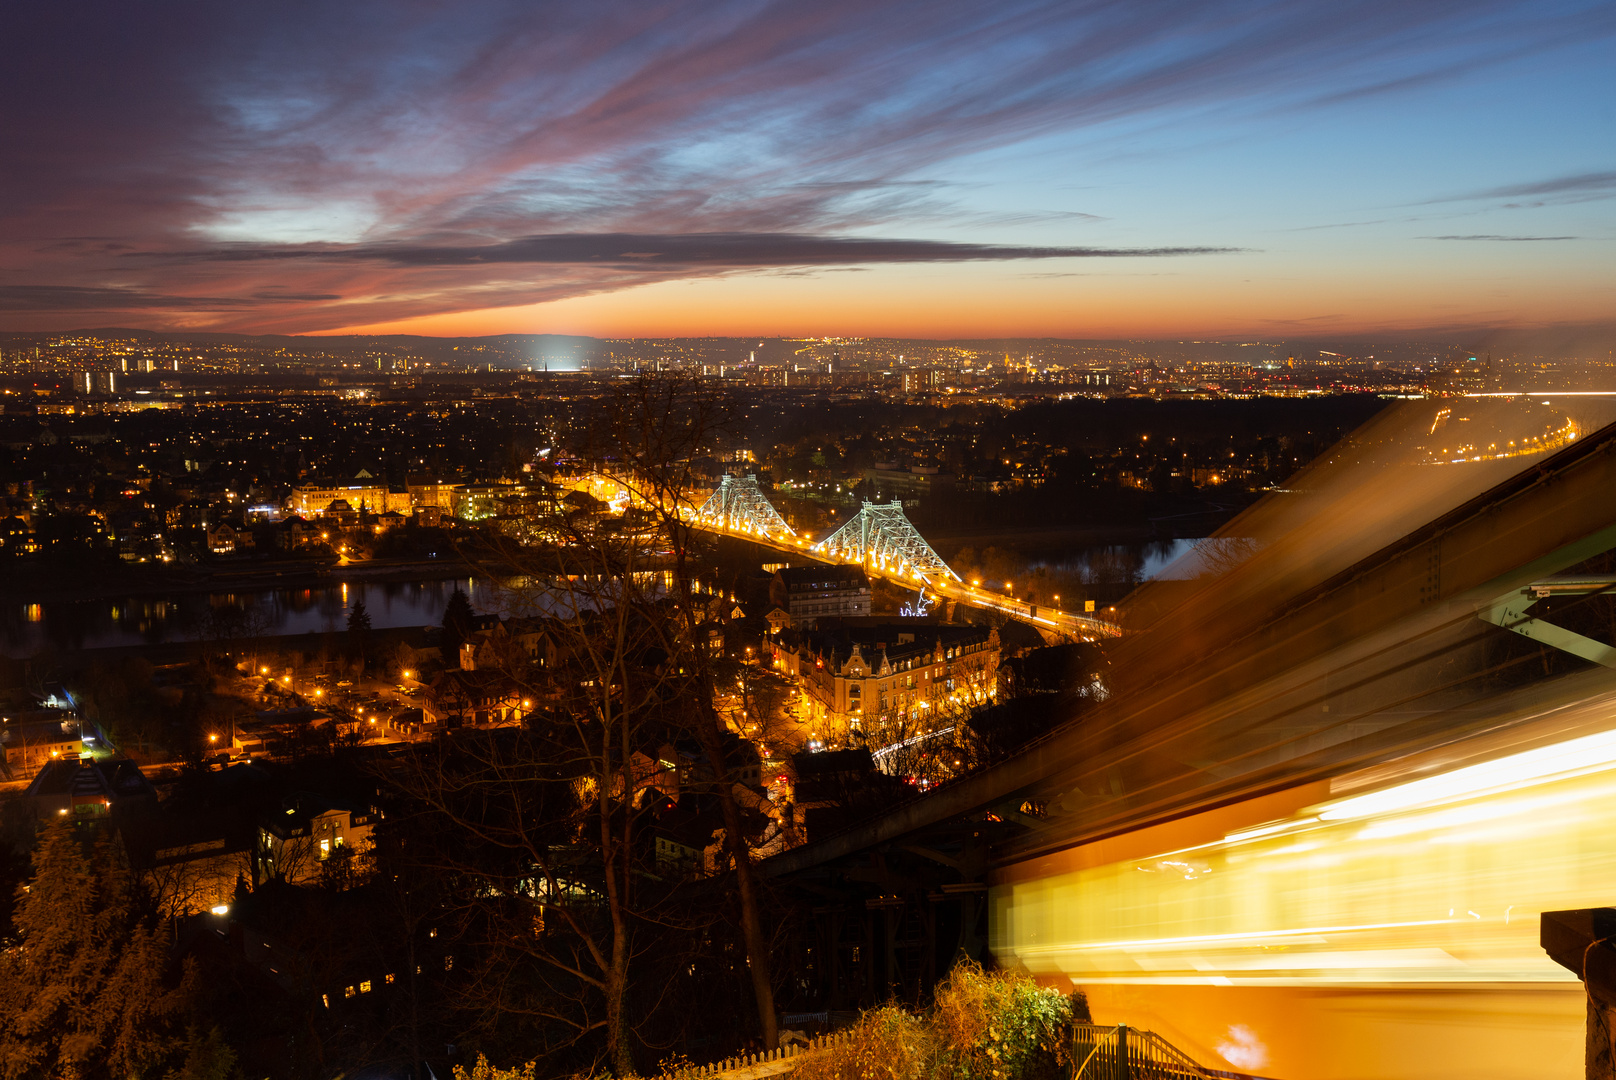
(1124, 1053)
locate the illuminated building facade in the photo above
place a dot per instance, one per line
(891, 678)
(294, 844)
(313, 500)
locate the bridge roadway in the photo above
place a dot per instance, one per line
(1062, 623)
(1309, 832)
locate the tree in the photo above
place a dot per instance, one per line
(86, 992)
(457, 618)
(560, 890)
(207, 1057)
(359, 630)
(658, 428)
(572, 906)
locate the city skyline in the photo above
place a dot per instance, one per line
(1022, 170)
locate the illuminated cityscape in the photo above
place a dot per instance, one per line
(1019, 541)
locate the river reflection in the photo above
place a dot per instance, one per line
(1124, 563)
(26, 629)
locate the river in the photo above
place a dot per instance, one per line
(25, 629)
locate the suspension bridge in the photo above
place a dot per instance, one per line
(881, 539)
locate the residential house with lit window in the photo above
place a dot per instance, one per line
(226, 539)
(296, 843)
(30, 740)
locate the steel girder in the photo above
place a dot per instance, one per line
(882, 537)
(739, 506)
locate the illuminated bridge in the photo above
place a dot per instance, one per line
(1309, 830)
(738, 506)
(882, 540)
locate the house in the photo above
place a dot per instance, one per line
(810, 593)
(297, 843)
(342, 512)
(320, 946)
(31, 740)
(478, 696)
(682, 764)
(16, 538)
(225, 538)
(296, 533)
(265, 732)
(84, 789)
(192, 849)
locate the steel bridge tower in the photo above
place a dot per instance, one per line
(882, 537)
(739, 506)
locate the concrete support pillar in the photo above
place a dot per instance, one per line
(1584, 942)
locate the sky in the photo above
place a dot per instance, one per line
(1078, 168)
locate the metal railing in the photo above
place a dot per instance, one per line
(1125, 1053)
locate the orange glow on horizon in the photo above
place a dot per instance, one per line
(1212, 296)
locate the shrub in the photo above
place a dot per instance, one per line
(982, 1026)
(999, 1026)
(886, 1044)
(484, 1071)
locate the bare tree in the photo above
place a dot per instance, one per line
(552, 814)
(658, 428)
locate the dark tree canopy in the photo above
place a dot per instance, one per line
(457, 618)
(88, 992)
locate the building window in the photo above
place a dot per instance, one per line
(348, 991)
(364, 987)
(326, 1000)
(448, 963)
(389, 978)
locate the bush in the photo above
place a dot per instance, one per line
(982, 1026)
(999, 1026)
(484, 1071)
(886, 1044)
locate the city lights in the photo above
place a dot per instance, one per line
(1276, 336)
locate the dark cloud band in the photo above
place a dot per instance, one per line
(82, 298)
(716, 250)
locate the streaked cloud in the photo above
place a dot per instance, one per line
(1496, 236)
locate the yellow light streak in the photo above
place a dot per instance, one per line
(1435, 881)
(1591, 753)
